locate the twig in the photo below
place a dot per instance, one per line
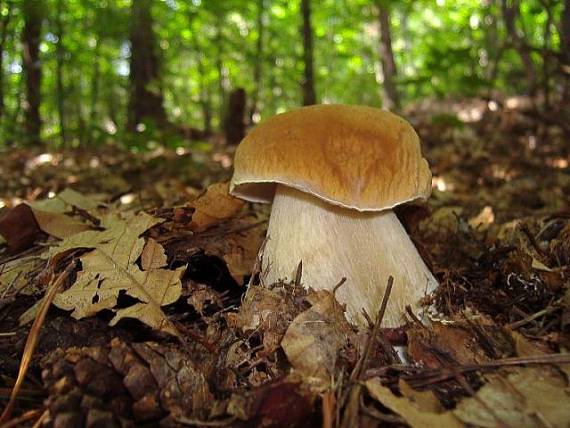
(421, 377)
(532, 317)
(299, 274)
(361, 364)
(19, 421)
(340, 284)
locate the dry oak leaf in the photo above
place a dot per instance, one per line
(214, 206)
(51, 214)
(529, 397)
(15, 276)
(110, 268)
(416, 409)
(313, 340)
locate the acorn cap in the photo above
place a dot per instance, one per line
(357, 157)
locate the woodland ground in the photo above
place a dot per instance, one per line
(496, 233)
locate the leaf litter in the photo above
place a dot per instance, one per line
(177, 339)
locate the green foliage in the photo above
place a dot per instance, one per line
(207, 48)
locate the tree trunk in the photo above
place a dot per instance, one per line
(565, 48)
(146, 100)
(60, 53)
(3, 36)
(234, 124)
(391, 99)
(258, 66)
(205, 98)
(94, 89)
(31, 33)
(545, 47)
(220, 68)
(308, 84)
(510, 9)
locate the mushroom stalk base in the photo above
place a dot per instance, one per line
(334, 243)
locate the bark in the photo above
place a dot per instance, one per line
(31, 34)
(545, 47)
(3, 36)
(234, 124)
(565, 47)
(308, 84)
(391, 99)
(60, 53)
(258, 66)
(220, 66)
(146, 100)
(205, 98)
(510, 10)
(94, 89)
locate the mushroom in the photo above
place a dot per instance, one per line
(334, 173)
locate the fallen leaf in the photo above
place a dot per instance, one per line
(110, 268)
(529, 397)
(153, 255)
(414, 411)
(315, 337)
(20, 228)
(484, 219)
(214, 206)
(53, 217)
(14, 275)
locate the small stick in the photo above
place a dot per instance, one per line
(361, 364)
(299, 274)
(340, 284)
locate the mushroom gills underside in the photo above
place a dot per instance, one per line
(334, 243)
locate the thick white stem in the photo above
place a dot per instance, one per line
(334, 242)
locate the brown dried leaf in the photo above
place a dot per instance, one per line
(417, 409)
(153, 255)
(315, 337)
(53, 216)
(214, 206)
(20, 228)
(111, 268)
(427, 347)
(529, 397)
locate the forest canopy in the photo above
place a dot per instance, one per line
(87, 71)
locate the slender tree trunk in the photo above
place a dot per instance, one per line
(205, 98)
(94, 89)
(220, 68)
(391, 99)
(308, 84)
(234, 124)
(31, 33)
(146, 100)
(60, 53)
(545, 46)
(565, 48)
(3, 36)
(258, 66)
(510, 9)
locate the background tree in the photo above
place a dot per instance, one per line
(106, 63)
(7, 8)
(31, 33)
(308, 84)
(146, 99)
(565, 46)
(511, 11)
(391, 99)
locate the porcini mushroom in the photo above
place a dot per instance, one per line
(334, 173)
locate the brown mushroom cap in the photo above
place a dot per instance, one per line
(353, 156)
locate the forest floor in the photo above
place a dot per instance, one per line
(144, 276)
